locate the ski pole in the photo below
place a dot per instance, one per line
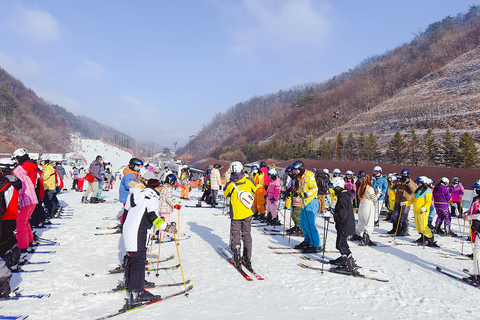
(398, 222)
(463, 233)
(325, 233)
(159, 246)
(150, 259)
(180, 262)
(178, 222)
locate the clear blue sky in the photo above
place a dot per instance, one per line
(161, 69)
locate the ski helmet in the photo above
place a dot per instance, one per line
(236, 167)
(217, 166)
(405, 173)
(208, 172)
(422, 179)
(455, 180)
(476, 185)
(263, 164)
(17, 154)
(135, 162)
(337, 182)
(288, 169)
(377, 169)
(171, 179)
(393, 176)
(7, 164)
(336, 172)
(326, 171)
(272, 172)
(314, 170)
(253, 167)
(298, 165)
(445, 181)
(349, 173)
(361, 173)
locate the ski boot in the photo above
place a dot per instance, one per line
(275, 222)
(237, 258)
(199, 204)
(438, 230)
(348, 266)
(474, 280)
(366, 240)
(311, 249)
(268, 219)
(430, 225)
(419, 241)
(302, 245)
(5, 287)
(356, 237)
(84, 200)
(247, 263)
(142, 297)
(337, 261)
(449, 231)
(429, 242)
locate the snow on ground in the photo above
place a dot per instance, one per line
(90, 149)
(415, 289)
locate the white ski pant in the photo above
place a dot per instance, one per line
(378, 207)
(366, 215)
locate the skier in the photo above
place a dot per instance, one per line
(422, 200)
(366, 211)
(164, 174)
(296, 205)
(215, 183)
(129, 173)
(350, 183)
(259, 196)
(309, 208)
(322, 179)
(166, 204)
(93, 186)
(23, 159)
(27, 201)
(404, 188)
(81, 179)
(441, 198)
(380, 185)
(48, 176)
(142, 214)
(75, 178)
(345, 226)
(184, 180)
(266, 178)
(473, 215)
(240, 215)
(456, 191)
(360, 176)
(273, 194)
(206, 188)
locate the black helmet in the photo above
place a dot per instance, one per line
(299, 165)
(134, 162)
(171, 179)
(263, 164)
(216, 166)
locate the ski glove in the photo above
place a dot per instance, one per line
(272, 200)
(171, 228)
(177, 206)
(475, 225)
(402, 204)
(422, 209)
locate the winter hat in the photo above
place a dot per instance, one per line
(148, 175)
(153, 183)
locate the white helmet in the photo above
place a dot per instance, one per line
(272, 172)
(337, 182)
(45, 158)
(337, 171)
(7, 163)
(349, 173)
(377, 168)
(19, 153)
(445, 181)
(236, 166)
(326, 171)
(393, 176)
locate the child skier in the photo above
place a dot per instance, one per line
(241, 215)
(273, 194)
(166, 204)
(473, 215)
(345, 226)
(141, 216)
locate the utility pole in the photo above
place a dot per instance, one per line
(336, 115)
(175, 152)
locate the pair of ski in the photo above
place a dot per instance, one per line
(121, 289)
(133, 306)
(120, 269)
(297, 251)
(334, 270)
(227, 256)
(439, 269)
(15, 295)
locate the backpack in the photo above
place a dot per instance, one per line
(58, 180)
(9, 187)
(322, 181)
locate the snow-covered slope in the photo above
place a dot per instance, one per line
(90, 149)
(415, 289)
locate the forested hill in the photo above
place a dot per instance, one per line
(298, 122)
(28, 121)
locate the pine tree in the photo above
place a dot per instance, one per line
(430, 147)
(325, 149)
(339, 146)
(371, 149)
(468, 151)
(396, 149)
(414, 150)
(360, 145)
(451, 155)
(350, 148)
